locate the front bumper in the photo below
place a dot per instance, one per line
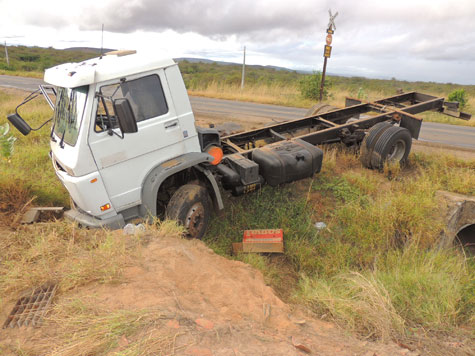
(115, 222)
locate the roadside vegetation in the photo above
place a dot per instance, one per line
(375, 268)
(263, 84)
(272, 86)
(32, 61)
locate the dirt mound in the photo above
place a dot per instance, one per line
(223, 307)
(185, 273)
(176, 296)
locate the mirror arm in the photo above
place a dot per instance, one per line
(29, 98)
(112, 132)
(43, 124)
(45, 95)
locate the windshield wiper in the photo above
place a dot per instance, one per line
(61, 143)
(52, 132)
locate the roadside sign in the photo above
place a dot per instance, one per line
(328, 49)
(331, 23)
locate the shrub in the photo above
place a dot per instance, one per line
(460, 96)
(310, 86)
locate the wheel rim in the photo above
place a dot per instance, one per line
(194, 220)
(397, 151)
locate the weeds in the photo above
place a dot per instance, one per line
(408, 288)
(376, 268)
(76, 257)
(28, 169)
(6, 141)
(80, 328)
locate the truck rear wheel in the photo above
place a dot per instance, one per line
(393, 145)
(367, 146)
(190, 205)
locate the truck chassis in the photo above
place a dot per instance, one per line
(341, 126)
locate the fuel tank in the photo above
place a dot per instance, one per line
(288, 161)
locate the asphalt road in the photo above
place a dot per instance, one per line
(451, 135)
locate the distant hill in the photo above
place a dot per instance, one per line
(89, 49)
(257, 66)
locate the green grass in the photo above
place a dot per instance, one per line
(376, 267)
(403, 292)
(28, 171)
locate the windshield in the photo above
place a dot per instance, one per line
(69, 109)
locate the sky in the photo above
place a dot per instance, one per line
(426, 40)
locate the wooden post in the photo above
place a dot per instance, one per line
(243, 69)
(6, 54)
(323, 78)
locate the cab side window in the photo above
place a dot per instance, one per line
(145, 95)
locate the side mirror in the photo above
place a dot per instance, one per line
(125, 116)
(19, 123)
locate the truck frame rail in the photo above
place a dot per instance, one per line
(345, 125)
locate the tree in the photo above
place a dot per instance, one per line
(310, 86)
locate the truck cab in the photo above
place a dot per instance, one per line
(113, 176)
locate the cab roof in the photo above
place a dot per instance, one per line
(113, 65)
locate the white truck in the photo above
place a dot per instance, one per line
(125, 145)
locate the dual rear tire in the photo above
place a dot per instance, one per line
(385, 143)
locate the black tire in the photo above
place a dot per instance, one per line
(393, 145)
(367, 146)
(190, 205)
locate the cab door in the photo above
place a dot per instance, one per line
(124, 162)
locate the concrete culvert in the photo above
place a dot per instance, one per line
(459, 212)
(466, 237)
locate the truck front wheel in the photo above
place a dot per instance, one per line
(190, 205)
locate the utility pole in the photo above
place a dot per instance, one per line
(6, 54)
(328, 49)
(243, 69)
(102, 41)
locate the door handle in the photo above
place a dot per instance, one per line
(171, 124)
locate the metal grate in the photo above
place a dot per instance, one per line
(30, 309)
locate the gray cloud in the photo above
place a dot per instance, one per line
(435, 30)
(207, 17)
(371, 35)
